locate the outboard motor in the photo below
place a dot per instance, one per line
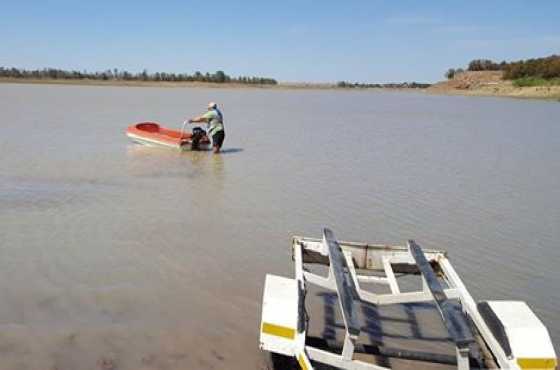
(197, 134)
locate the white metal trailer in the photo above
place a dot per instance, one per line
(507, 332)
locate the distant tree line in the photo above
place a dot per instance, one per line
(451, 72)
(546, 68)
(485, 65)
(121, 75)
(410, 85)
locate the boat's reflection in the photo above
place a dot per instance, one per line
(157, 161)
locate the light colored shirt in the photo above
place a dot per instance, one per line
(215, 121)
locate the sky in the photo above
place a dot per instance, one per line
(290, 40)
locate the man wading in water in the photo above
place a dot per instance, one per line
(215, 121)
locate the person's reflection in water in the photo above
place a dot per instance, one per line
(208, 167)
(198, 158)
(218, 165)
(202, 161)
(204, 185)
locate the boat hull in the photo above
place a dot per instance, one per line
(151, 133)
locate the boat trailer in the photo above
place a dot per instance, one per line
(500, 334)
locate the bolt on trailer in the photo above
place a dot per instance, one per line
(487, 334)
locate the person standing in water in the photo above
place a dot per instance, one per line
(215, 121)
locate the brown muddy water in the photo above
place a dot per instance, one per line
(120, 256)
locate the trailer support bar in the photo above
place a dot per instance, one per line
(455, 322)
(345, 286)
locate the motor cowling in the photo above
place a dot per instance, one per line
(197, 134)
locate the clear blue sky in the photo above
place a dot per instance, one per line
(290, 40)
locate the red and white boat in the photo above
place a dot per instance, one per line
(152, 133)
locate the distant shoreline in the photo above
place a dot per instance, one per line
(534, 93)
(134, 83)
(490, 83)
(482, 87)
(196, 84)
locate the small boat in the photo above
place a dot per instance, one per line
(152, 133)
(384, 294)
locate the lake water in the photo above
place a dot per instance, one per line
(123, 256)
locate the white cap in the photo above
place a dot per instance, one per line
(212, 105)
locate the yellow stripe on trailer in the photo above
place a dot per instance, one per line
(279, 331)
(537, 363)
(301, 361)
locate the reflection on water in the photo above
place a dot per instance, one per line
(137, 257)
(156, 162)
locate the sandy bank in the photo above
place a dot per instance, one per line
(490, 83)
